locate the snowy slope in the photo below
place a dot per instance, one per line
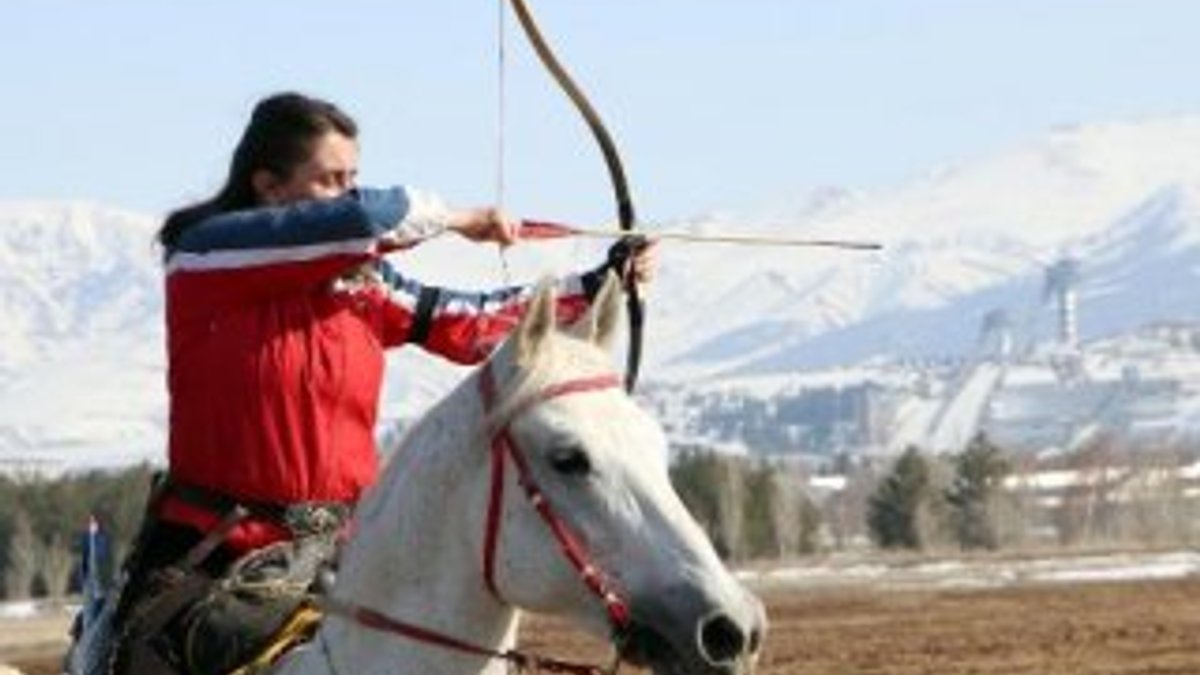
(954, 240)
(81, 339)
(71, 272)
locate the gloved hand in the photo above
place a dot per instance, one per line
(621, 254)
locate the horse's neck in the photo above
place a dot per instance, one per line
(415, 557)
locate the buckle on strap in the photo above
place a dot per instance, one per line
(310, 518)
(300, 518)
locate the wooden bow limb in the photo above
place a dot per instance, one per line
(540, 229)
(626, 217)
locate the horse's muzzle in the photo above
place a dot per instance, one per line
(719, 642)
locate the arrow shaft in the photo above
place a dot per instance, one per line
(544, 230)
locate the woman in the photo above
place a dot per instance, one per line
(279, 306)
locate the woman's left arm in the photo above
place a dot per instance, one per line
(465, 326)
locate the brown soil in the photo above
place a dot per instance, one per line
(34, 645)
(1148, 628)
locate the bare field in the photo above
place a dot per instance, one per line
(37, 642)
(1147, 628)
(1126, 628)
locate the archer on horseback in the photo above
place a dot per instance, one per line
(279, 305)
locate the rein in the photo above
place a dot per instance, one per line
(503, 446)
(521, 661)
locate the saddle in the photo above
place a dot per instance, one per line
(258, 611)
(183, 620)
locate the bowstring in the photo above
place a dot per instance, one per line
(501, 122)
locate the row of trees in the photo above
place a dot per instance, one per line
(750, 508)
(756, 509)
(1104, 494)
(43, 521)
(909, 508)
(982, 498)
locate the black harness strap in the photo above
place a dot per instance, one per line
(423, 315)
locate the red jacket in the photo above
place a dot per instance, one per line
(277, 319)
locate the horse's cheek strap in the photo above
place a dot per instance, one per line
(495, 502)
(501, 445)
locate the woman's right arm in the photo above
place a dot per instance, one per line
(257, 253)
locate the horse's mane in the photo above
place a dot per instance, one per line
(559, 357)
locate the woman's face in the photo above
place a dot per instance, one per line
(329, 172)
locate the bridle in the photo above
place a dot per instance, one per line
(502, 449)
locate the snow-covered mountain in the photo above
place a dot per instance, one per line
(959, 243)
(81, 350)
(1140, 269)
(81, 347)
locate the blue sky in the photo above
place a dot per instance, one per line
(714, 105)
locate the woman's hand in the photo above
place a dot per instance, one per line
(645, 262)
(634, 255)
(484, 225)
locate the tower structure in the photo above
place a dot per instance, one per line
(1062, 285)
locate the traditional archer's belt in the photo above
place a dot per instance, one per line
(299, 518)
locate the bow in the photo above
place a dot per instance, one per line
(625, 213)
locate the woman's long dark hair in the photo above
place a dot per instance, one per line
(279, 138)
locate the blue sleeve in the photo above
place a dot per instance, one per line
(362, 213)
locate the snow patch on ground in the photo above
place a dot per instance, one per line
(21, 609)
(982, 572)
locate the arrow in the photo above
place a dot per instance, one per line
(541, 229)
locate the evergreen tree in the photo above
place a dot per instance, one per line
(764, 499)
(894, 509)
(978, 472)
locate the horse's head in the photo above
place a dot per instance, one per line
(600, 463)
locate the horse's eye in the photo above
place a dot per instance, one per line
(571, 461)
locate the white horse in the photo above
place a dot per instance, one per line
(447, 555)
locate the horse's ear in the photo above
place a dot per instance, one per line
(600, 323)
(538, 322)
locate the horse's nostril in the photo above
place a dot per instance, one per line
(755, 640)
(721, 640)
